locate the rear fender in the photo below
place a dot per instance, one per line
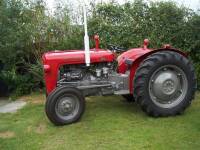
(138, 60)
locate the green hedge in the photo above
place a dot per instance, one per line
(27, 31)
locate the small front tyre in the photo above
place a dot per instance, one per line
(65, 105)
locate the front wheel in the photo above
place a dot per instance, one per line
(65, 105)
(165, 84)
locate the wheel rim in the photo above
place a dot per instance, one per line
(168, 86)
(67, 107)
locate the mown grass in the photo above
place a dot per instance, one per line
(108, 123)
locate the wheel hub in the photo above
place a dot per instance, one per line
(165, 84)
(65, 106)
(168, 86)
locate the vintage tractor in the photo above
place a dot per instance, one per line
(162, 81)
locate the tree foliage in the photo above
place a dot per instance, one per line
(127, 25)
(27, 30)
(161, 22)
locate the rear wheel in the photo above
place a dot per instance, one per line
(165, 84)
(65, 105)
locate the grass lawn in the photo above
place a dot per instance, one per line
(108, 123)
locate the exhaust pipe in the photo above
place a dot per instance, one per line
(86, 37)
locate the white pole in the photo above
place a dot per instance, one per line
(86, 37)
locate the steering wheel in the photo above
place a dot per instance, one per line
(115, 48)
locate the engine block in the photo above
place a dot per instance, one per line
(102, 80)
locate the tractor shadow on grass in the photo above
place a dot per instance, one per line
(112, 106)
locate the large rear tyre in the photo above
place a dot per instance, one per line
(65, 106)
(165, 84)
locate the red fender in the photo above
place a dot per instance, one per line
(137, 56)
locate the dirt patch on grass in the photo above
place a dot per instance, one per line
(7, 134)
(39, 101)
(34, 98)
(40, 129)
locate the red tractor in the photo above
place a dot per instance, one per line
(162, 81)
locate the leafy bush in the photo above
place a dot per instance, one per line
(28, 30)
(17, 84)
(161, 22)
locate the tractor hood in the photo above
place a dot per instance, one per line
(77, 56)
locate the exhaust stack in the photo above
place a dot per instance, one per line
(86, 37)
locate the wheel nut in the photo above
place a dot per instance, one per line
(179, 75)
